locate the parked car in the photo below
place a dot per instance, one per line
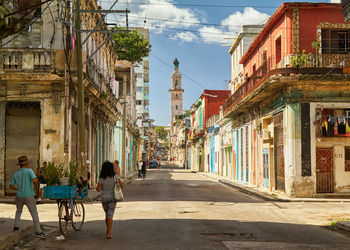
(153, 164)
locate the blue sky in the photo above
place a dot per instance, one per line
(194, 32)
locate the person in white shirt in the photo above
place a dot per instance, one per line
(139, 167)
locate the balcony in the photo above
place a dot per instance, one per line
(265, 71)
(26, 60)
(95, 76)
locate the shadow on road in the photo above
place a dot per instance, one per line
(198, 234)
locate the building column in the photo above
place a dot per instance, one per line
(2, 148)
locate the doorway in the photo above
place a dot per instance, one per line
(279, 151)
(324, 170)
(22, 136)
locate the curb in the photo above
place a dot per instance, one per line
(254, 193)
(266, 196)
(343, 225)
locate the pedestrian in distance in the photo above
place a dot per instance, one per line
(106, 184)
(139, 168)
(42, 181)
(158, 160)
(116, 167)
(144, 168)
(22, 181)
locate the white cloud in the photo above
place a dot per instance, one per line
(213, 35)
(163, 16)
(249, 16)
(231, 25)
(185, 36)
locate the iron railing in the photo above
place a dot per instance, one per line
(265, 71)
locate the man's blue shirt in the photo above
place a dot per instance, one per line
(23, 180)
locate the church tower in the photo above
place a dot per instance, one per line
(175, 92)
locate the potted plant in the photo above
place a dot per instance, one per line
(52, 173)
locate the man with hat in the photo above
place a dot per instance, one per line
(22, 181)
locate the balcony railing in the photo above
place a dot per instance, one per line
(265, 71)
(95, 77)
(26, 59)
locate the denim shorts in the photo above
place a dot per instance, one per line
(109, 207)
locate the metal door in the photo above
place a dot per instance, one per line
(279, 151)
(324, 170)
(22, 135)
(266, 168)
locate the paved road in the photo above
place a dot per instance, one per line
(176, 209)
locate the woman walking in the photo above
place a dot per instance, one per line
(106, 184)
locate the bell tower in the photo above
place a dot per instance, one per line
(175, 92)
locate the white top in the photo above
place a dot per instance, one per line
(140, 165)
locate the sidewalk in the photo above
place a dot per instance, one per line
(8, 237)
(265, 194)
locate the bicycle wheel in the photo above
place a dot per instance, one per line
(78, 215)
(63, 216)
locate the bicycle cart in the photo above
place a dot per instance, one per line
(70, 205)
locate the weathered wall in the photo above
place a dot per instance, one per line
(52, 132)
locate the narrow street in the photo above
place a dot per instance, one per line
(177, 209)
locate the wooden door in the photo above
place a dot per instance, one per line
(324, 170)
(22, 135)
(279, 151)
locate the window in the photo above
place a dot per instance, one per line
(138, 102)
(176, 107)
(335, 41)
(176, 84)
(139, 75)
(278, 50)
(120, 89)
(176, 97)
(138, 89)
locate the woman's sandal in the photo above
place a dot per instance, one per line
(108, 237)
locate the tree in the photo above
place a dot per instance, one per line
(131, 46)
(161, 132)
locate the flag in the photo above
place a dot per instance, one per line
(72, 42)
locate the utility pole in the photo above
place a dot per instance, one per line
(124, 129)
(81, 112)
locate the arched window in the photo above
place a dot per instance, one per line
(176, 96)
(176, 107)
(176, 84)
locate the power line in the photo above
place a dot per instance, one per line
(201, 5)
(199, 84)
